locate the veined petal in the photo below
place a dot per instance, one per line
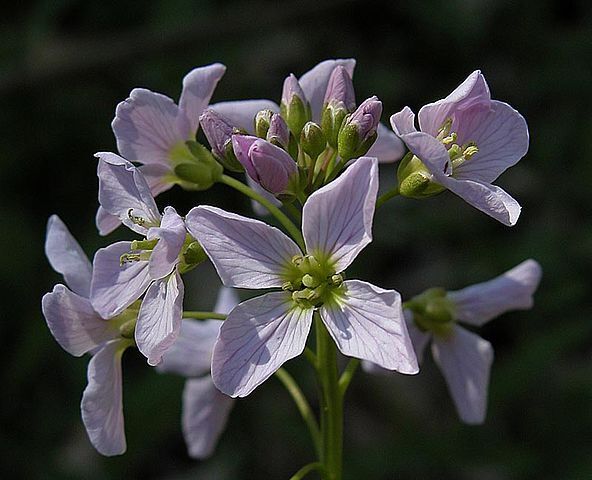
(473, 91)
(387, 147)
(198, 87)
(105, 222)
(147, 126)
(205, 413)
(115, 286)
(500, 133)
(67, 257)
(367, 323)
(512, 290)
(123, 191)
(241, 113)
(171, 235)
(158, 177)
(490, 199)
(73, 322)
(102, 400)
(337, 219)
(191, 354)
(247, 253)
(255, 340)
(314, 82)
(465, 361)
(159, 319)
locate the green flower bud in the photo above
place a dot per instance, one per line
(202, 172)
(415, 180)
(312, 140)
(262, 122)
(294, 107)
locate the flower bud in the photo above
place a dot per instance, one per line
(218, 130)
(200, 171)
(415, 180)
(262, 122)
(294, 107)
(433, 310)
(358, 132)
(312, 140)
(340, 89)
(270, 166)
(278, 133)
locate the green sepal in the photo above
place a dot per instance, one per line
(350, 145)
(415, 179)
(312, 140)
(331, 120)
(191, 257)
(296, 114)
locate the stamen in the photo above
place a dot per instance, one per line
(449, 139)
(128, 258)
(135, 219)
(469, 151)
(444, 129)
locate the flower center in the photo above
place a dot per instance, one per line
(140, 250)
(459, 154)
(432, 311)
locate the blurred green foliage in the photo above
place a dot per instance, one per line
(66, 64)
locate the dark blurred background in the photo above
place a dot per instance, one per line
(66, 64)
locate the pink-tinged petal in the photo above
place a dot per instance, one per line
(247, 253)
(367, 323)
(429, 150)
(226, 301)
(105, 222)
(500, 133)
(490, 199)
(273, 166)
(241, 113)
(205, 413)
(171, 235)
(123, 191)
(465, 361)
(102, 400)
(337, 219)
(472, 92)
(159, 178)
(314, 83)
(159, 319)
(387, 147)
(512, 290)
(257, 207)
(241, 144)
(147, 127)
(74, 323)
(67, 257)
(198, 87)
(256, 339)
(191, 354)
(115, 286)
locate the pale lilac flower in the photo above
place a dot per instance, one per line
(124, 271)
(205, 408)
(79, 329)
(465, 142)
(261, 334)
(463, 357)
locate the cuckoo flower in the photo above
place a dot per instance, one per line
(463, 357)
(124, 271)
(261, 334)
(465, 142)
(79, 329)
(205, 408)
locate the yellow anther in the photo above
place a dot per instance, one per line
(336, 280)
(310, 281)
(444, 130)
(134, 218)
(129, 258)
(297, 260)
(287, 286)
(449, 139)
(469, 151)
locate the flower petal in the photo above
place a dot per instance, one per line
(241, 113)
(337, 219)
(102, 402)
(314, 83)
(205, 413)
(105, 222)
(255, 340)
(73, 322)
(490, 199)
(171, 236)
(247, 253)
(191, 354)
(226, 301)
(115, 286)
(512, 290)
(198, 87)
(123, 191)
(159, 178)
(500, 133)
(67, 257)
(367, 323)
(147, 127)
(465, 361)
(159, 319)
(387, 147)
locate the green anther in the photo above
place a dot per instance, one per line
(469, 151)
(336, 280)
(289, 286)
(297, 260)
(310, 281)
(135, 218)
(454, 152)
(127, 329)
(449, 139)
(128, 258)
(144, 244)
(444, 130)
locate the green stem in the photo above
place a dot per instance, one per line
(204, 315)
(275, 211)
(292, 210)
(347, 375)
(331, 403)
(304, 471)
(303, 406)
(387, 196)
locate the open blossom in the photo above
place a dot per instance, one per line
(205, 408)
(463, 357)
(79, 329)
(464, 143)
(124, 271)
(262, 333)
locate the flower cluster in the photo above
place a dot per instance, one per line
(312, 162)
